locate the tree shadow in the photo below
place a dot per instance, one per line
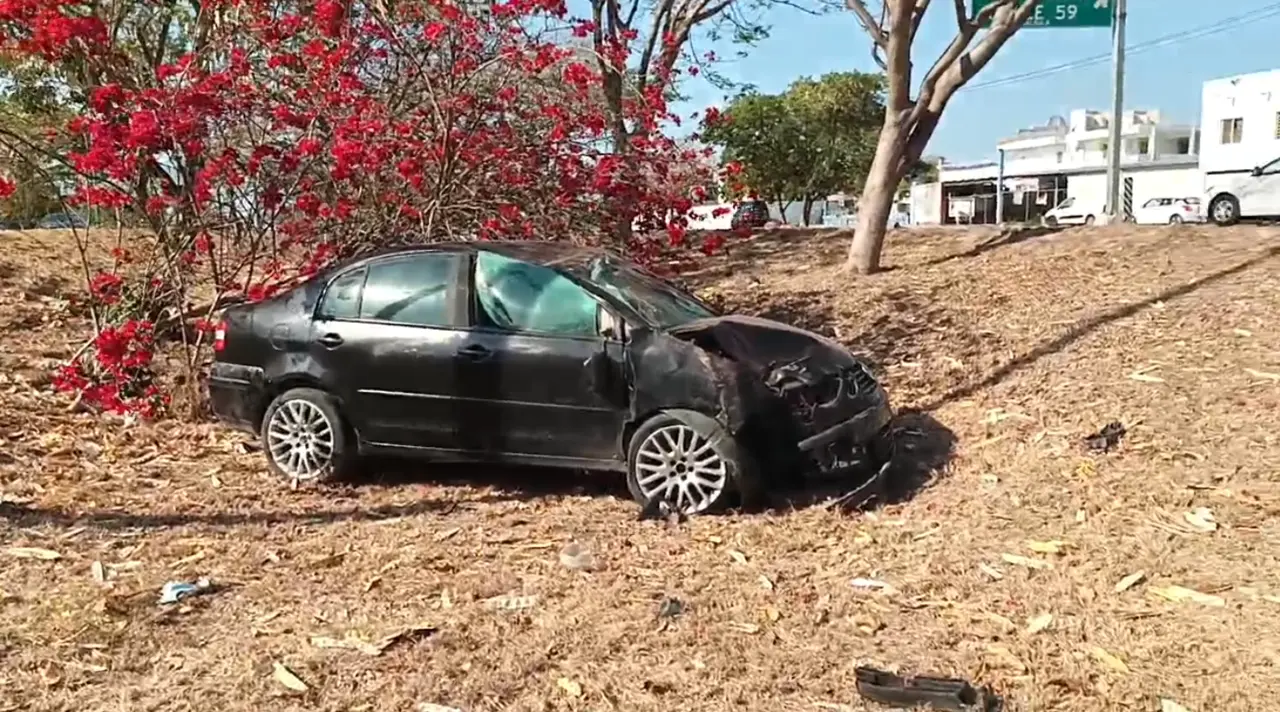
(1004, 238)
(1087, 326)
(921, 446)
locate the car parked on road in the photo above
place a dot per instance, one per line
(544, 354)
(1168, 211)
(749, 214)
(1236, 195)
(1072, 211)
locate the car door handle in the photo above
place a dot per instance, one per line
(474, 352)
(330, 341)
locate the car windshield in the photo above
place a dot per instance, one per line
(655, 300)
(1065, 204)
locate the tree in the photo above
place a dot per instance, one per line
(812, 140)
(274, 137)
(909, 122)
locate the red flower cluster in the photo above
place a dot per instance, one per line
(119, 379)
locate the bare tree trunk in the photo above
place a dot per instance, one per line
(808, 206)
(877, 198)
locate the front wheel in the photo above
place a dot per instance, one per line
(1224, 210)
(1089, 220)
(305, 438)
(689, 460)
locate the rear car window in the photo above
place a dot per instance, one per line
(410, 290)
(519, 296)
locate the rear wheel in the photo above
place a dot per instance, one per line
(1224, 210)
(305, 438)
(1175, 220)
(689, 460)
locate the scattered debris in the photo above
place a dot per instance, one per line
(870, 584)
(1263, 374)
(570, 687)
(433, 707)
(1039, 623)
(285, 676)
(576, 557)
(1201, 518)
(32, 552)
(174, 591)
(936, 692)
(511, 603)
(1107, 438)
(379, 646)
(1168, 705)
(670, 607)
(1048, 547)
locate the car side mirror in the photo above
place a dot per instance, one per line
(1257, 171)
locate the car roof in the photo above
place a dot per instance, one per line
(547, 254)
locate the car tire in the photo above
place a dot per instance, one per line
(305, 438)
(1224, 211)
(1089, 220)
(674, 450)
(1175, 219)
(1049, 221)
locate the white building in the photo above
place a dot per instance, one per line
(1067, 157)
(1240, 121)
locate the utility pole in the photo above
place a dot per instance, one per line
(1000, 188)
(1115, 212)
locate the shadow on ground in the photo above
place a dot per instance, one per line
(1004, 238)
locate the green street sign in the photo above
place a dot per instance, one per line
(1062, 13)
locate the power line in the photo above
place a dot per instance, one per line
(1261, 13)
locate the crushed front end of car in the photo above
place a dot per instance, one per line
(802, 404)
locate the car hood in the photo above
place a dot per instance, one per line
(764, 345)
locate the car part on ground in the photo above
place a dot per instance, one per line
(699, 410)
(939, 693)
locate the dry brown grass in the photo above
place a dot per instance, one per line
(1019, 347)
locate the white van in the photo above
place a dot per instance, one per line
(1233, 195)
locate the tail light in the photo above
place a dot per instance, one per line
(1187, 208)
(220, 336)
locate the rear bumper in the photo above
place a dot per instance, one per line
(237, 395)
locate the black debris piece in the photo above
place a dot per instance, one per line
(1107, 438)
(938, 693)
(670, 607)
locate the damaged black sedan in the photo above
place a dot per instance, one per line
(544, 354)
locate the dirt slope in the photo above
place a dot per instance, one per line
(1014, 346)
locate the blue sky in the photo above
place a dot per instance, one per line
(1167, 77)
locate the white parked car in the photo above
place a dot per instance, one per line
(1172, 211)
(1244, 194)
(1072, 212)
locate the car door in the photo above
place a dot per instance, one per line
(1147, 213)
(1266, 190)
(387, 335)
(526, 378)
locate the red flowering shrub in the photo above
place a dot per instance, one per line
(297, 133)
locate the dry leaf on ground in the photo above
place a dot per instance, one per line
(1109, 659)
(1180, 594)
(285, 676)
(571, 688)
(1048, 547)
(33, 552)
(1201, 518)
(1026, 561)
(1039, 623)
(1129, 581)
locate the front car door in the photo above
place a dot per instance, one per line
(386, 334)
(1262, 199)
(524, 377)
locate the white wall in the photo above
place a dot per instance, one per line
(1091, 188)
(926, 203)
(1254, 98)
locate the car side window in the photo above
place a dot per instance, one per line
(518, 296)
(1151, 203)
(342, 298)
(410, 290)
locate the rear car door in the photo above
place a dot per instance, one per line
(387, 334)
(524, 376)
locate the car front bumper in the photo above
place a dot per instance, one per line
(859, 430)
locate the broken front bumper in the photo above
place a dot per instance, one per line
(859, 430)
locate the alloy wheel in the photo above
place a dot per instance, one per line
(677, 464)
(1223, 211)
(300, 440)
